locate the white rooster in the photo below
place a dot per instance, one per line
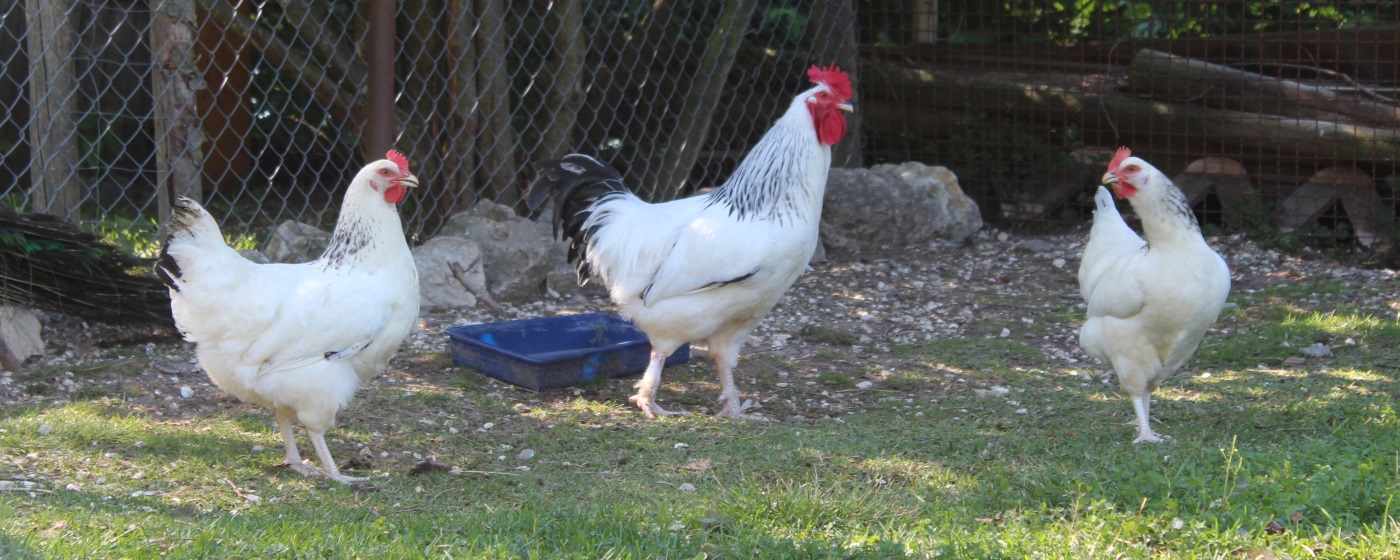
(708, 267)
(299, 338)
(1149, 302)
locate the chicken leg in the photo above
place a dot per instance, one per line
(645, 398)
(726, 354)
(284, 418)
(318, 440)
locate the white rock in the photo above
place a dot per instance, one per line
(686, 487)
(526, 454)
(45, 430)
(1318, 350)
(864, 385)
(682, 445)
(257, 448)
(1058, 263)
(186, 392)
(1005, 333)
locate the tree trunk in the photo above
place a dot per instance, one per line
(694, 122)
(175, 81)
(1151, 122)
(1184, 79)
(53, 139)
(497, 139)
(835, 41)
(565, 65)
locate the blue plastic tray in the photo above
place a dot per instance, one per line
(554, 352)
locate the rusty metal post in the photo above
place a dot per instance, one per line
(378, 136)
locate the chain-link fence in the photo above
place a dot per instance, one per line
(265, 109)
(1287, 109)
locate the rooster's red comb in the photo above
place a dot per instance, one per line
(834, 78)
(1118, 157)
(398, 160)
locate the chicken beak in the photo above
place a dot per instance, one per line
(847, 107)
(1108, 178)
(409, 181)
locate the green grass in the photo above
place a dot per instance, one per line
(1300, 462)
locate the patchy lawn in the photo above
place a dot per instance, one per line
(929, 404)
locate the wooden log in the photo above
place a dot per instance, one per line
(53, 140)
(1227, 179)
(1145, 122)
(1160, 74)
(1369, 217)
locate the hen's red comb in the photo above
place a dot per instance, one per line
(398, 160)
(1118, 157)
(834, 78)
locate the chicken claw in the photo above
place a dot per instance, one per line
(651, 409)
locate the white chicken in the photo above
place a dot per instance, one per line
(1149, 302)
(711, 266)
(299, 338)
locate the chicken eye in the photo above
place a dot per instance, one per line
(384, 172)
(823, 95)
(1132, 169)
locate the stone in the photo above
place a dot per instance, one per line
(256, 256)
(295, 242)
(959, 217)
(516, 253)
(1035, 246)
(1318, 350)
(891, 207)
(438, 286)
(20, 337)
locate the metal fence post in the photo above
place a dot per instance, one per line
(380, 46)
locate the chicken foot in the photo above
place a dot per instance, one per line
(1142, 405)
(645, 398)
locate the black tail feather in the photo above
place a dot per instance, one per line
(50, 264)
(575, 182)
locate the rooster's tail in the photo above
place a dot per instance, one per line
(576, 182)
(189, 226)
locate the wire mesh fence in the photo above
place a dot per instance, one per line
(262, 109)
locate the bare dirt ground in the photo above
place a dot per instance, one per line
(834, 346)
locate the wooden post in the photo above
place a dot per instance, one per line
(689, 138)
(834, 24)
(566, 66)
(53, 136)
(175, 79)
(497, 139)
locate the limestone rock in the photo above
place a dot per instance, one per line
(957, 216)
(438, 286)
(295, 242)
(892, 207)
(20, 337)
(515, 251)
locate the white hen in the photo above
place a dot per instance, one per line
(1149, 302)
(299, 338)
(708, 267)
